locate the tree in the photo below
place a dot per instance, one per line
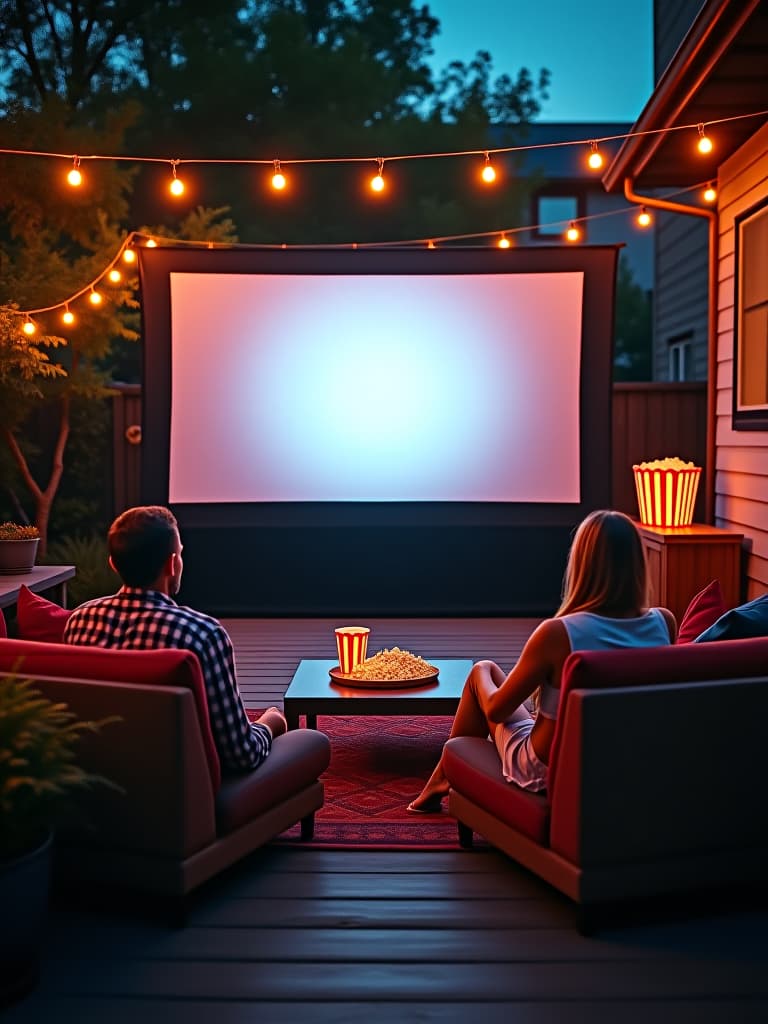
(632, 349)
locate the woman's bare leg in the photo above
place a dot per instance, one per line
(471, 719)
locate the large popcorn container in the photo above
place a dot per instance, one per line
(352, 645)
(666, 491)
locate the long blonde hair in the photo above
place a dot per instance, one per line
(606, 570)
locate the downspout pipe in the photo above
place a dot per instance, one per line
(711, 216)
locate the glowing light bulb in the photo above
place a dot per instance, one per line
(431, 244)
(643, 218)
(68, 317)
(151, 243)
(114, 275)
(129, 255)
(710, 194)
(704, 144)
(74, 178)
(573, 234)
(377, 183)
(95, 297)
(176, 187)
(595, 158)
(504, 242)
(488, 174)
(278, 178)
(29, 328)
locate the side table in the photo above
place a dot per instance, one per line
(684, 559)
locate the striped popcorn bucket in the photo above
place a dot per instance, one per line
(352, 644)
(665, 497)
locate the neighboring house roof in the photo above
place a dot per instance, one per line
(718, 71)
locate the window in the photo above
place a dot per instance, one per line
(750, 364)
(554, 209)
(679, 367)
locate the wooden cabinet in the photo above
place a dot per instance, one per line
(682, 560)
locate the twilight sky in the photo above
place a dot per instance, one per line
(600, 52)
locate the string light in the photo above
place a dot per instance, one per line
(278, 178)
(572, 234)
(488, 174)
(704, 145)
(29, 327)
(67, 317)
(129, 255)
(114, 275)
(176, 187)
(377, 181)
(504, 242)
(595, 158)
(151, 243)
(709, 194)
(95, 297)
(75, 178)
(644, 218)
(431, 244)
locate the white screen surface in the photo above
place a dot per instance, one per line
(301, 387)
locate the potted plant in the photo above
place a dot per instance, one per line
(38, 772)
(18, 547)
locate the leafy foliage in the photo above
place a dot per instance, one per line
(38, 767)
(94, 577)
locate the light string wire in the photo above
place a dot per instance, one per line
(373, 159)
(431, 241)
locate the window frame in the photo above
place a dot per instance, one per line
(754, 418)
(561, 190)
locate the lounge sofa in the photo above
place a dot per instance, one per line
(656, 770)
(177, 821)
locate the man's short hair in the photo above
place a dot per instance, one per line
(139, 541)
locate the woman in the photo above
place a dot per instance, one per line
(604, 605)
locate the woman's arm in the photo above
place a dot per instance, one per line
(541, 661)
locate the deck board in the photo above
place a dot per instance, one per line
(323, 936)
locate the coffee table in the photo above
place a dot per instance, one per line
(312, 692)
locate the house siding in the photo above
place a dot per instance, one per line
(741, 459)
(681, 293)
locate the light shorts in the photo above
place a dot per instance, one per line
(519, 760)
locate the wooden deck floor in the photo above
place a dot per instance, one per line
(350, 936)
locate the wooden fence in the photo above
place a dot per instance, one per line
(650, 421)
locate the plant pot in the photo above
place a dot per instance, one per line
(17, 556)
(24, 888)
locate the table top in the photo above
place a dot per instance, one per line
(40, 577)
(311, 682)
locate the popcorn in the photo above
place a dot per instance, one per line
(665, 464)
(393, 664)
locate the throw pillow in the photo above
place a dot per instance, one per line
(39, 619)
(747, 621)
(703, 611)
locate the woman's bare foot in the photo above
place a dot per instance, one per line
(429, 801)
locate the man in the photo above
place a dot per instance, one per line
(145, 551)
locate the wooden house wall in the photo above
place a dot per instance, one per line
(680, 307)
(741, 477)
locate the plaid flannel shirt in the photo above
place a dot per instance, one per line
(138, 619)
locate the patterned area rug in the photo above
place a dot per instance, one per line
(378, 765)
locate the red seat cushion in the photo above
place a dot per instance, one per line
(648, 666)
(473, 768)
(37, 618)
(166, 667)
(703, 611)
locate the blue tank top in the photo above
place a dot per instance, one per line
(590, 632)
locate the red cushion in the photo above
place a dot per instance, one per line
(473, 768)
(166, 667)
(37, 618)
(703, 611)
(646, 666)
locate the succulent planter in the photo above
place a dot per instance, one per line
(17, 556)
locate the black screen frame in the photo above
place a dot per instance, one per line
(311, 522)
